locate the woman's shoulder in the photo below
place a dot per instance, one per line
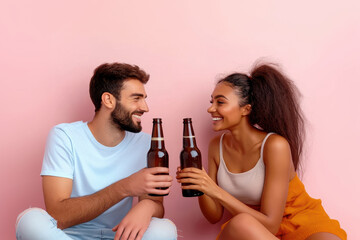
(275, 141)
(214, 149)
(276, 146)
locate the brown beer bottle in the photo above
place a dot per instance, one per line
(157, 156)
(190, 156)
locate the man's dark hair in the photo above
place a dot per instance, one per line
(110, 77)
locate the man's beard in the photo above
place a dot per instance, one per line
(123, 119)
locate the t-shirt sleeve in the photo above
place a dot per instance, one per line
(58, 157)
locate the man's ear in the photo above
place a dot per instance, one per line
(246, 110)
(108, 100)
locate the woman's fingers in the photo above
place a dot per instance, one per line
(191, 169)
(190, 175)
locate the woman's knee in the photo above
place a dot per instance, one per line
(245, 226)
(241, 221)
(323, 235)
(160, 229)
(242, 224)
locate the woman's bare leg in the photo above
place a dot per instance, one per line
(243, 226)
(323, 236)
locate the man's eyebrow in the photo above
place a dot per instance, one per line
(138, 95)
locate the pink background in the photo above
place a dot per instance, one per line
(49, 49)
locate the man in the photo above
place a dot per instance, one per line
(92, 170)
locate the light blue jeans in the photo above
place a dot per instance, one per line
(37, 224)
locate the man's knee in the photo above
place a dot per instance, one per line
(160, 229)
(32, 222)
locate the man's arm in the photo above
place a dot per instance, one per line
(71, 211)
(135, 223)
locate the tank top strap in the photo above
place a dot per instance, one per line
(263, 144)
(261, 151)
(220, 147)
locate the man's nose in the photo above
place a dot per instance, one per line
(144, 107)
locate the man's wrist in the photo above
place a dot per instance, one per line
(121, 188)
(154, 207)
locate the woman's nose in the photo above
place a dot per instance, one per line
(211, 109)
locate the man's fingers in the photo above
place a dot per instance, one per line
(162, 178)
(125, 234)
(118, 232)
(157, 170)
(132, 235)
(159, 191)
(115, 228)
(160, 184)
(140, 234)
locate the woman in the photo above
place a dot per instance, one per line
(252, 166)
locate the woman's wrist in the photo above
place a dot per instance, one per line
(217, 194)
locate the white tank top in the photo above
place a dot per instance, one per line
(246, 186)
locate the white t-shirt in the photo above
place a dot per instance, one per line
(73, 152)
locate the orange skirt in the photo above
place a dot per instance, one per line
(304, 216)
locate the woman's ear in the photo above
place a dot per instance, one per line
(108, 100)
(246, 110)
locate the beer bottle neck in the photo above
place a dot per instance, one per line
(157, 137)
(157, 143)
(188, 135)
(189, 141)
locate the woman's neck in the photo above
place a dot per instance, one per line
(245, 137)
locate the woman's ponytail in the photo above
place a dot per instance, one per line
(275, 107)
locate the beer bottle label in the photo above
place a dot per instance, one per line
(157, 138)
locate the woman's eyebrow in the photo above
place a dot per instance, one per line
(220, 96)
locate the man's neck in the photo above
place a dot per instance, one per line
(105, 132)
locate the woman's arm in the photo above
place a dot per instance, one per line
(210, 207)
(277, 159)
